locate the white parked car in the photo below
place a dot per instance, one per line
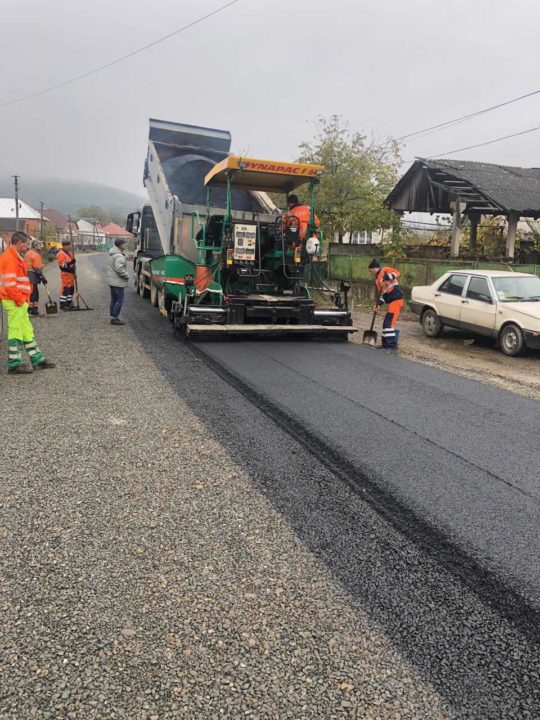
(499, 304)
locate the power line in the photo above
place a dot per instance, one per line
(482, 144)
(463, 118)
(120, 59)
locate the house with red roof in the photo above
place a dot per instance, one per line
(115, 231)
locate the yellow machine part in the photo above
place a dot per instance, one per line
(262, 175)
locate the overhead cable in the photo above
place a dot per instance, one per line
(120, 59)
(463, 118)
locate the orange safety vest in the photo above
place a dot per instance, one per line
(387, 281)
(66, 278)
(14, 282)
(303, 213)
(33, 260)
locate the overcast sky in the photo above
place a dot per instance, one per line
(263, 69)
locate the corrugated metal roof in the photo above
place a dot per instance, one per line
(512, 188)
(7, 209)
(85, 226)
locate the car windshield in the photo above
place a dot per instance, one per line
(522, 289)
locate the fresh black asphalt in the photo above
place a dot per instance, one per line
(461, 455)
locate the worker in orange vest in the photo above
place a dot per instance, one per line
(15, 292)
(301, 212)
(389, 291)
(34, 268)
(66, 263)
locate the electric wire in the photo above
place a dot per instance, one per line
(120, 59)
(463, 118)
(482, 144)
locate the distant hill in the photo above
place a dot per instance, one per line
(69, 195)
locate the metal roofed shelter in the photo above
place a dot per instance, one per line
(464, 187)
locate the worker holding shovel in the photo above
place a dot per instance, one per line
(66, 263)
(386, 282)
(34, 268)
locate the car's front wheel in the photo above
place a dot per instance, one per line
(431, 323)
(511, 340)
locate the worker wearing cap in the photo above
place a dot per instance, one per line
(302, 213)
(15, 290)
(389, 292)
(34, 268)
(66, 263)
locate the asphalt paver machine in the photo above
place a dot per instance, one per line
(215, 254)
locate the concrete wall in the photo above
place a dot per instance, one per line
(413, 272)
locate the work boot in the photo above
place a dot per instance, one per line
(20, 370)
(117, 321)
(45, 365)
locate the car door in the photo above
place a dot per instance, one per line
(448, 298)
(478, 307)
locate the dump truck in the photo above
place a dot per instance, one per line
(214, 252)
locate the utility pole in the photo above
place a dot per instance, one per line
(70, 231)
(41, 233)
(16, 180)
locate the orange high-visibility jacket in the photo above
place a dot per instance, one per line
(388, 285)
(66, 278)
(302, 212)
(33, 260)
(387, 277)
(14, 282)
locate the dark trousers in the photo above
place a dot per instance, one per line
(117, 300)
(33, 304)
(66, 298)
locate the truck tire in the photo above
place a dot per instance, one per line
(431, 323)
(511, 340)
(143, 291)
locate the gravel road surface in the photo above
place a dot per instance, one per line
(168, 551)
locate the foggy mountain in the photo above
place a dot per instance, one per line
(69, 195)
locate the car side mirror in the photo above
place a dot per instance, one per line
(485, 298)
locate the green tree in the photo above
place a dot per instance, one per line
(358, 177)
(95, 212)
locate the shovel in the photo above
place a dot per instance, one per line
(51, 308)
(370, 336)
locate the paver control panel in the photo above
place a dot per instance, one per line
(245, 242)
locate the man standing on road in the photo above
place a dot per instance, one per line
(15, 292)
(66, 263)
(118, 278)
(34, 268)
(386, 282)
